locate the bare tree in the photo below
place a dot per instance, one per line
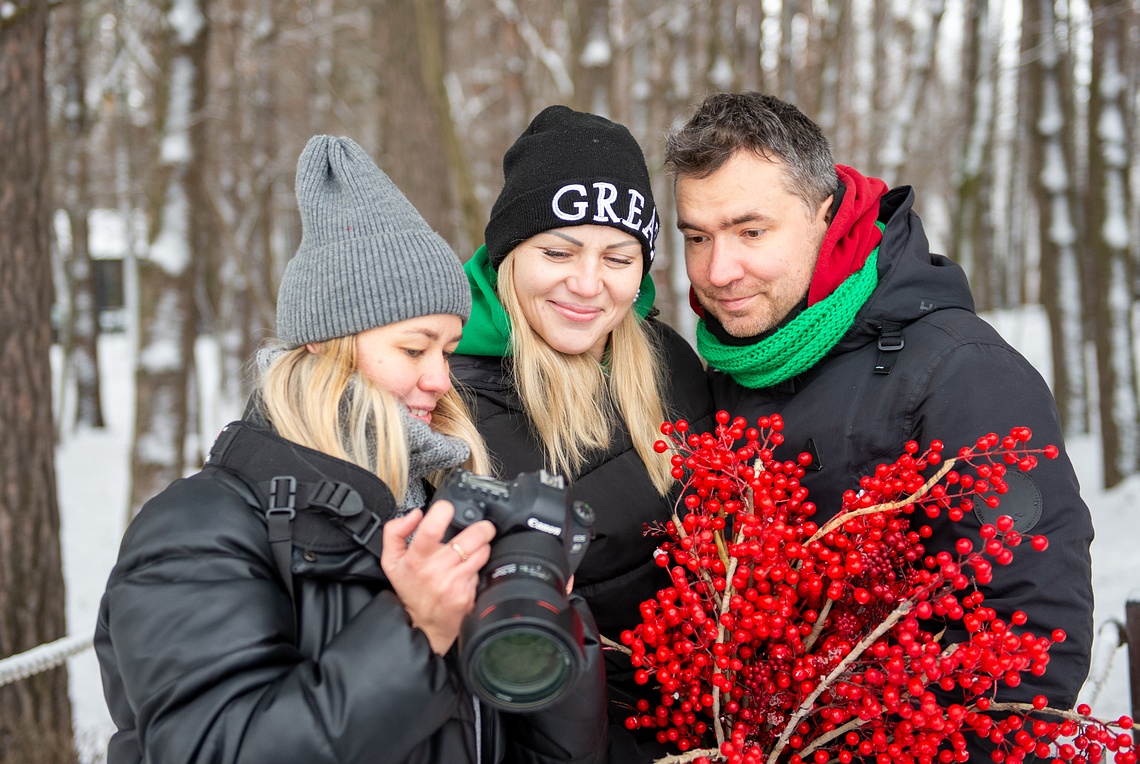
(894, 147)
(972, 240)
(1051, 107)
(167, 309)
(80, 330)
(1108, 206)
(412, 133)
(35, 714)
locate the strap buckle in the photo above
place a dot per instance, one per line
(282, 496)
(369, 532)
(339, 498)
(891, 342)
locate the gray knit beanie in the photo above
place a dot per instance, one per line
(367, 258)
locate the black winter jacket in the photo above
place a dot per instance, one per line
(202, 661)
(954, 379)
(618, 572)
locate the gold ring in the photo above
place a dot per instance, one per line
(459, 551)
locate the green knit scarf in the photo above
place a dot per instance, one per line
(800, 344)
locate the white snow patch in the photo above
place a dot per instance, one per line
(171, 250)
(176, 148)
(596, 51)
(186, 20)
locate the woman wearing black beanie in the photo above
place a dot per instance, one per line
(565, 368)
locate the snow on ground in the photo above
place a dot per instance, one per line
(93, 473)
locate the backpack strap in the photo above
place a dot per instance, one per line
(340, 503)
(890, 343)
(280, 511)
(251, 454)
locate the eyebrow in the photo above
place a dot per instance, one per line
(430, 334)
(575, 242)
(746, 217)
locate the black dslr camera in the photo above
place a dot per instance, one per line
(521, 647)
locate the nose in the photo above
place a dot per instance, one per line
(436, 377)
(586, 280)
(724, 264)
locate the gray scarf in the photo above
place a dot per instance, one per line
(428, 451)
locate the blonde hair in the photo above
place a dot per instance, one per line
(320, 400)
(572, 401)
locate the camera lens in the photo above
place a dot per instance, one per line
(522, 647)
(523, 665)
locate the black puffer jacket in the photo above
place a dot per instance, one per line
(201, 661)
(954, 379)
(618, 572)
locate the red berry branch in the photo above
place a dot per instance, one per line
(781, 640)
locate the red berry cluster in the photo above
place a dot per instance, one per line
(781, 640)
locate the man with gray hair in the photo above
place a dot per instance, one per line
(821, 301)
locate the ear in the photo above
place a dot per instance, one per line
(824, 212)
(313, 347)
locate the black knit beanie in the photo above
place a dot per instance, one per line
(572, 168)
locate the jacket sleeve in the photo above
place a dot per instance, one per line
(196, 631)
(574, 729)
(986, 386)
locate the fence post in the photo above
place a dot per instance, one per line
(1132, 625)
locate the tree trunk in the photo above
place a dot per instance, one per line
(833, 40)
(1061, 290)
(168, 318)
(1108, 203)
(431, 26)
(786, 71)
(35, 713)
(591, 56)
(410, 129)
(893, 148)
(82, 326)
(972, 241)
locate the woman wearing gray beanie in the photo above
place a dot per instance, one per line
(294, 601)
(565, 367)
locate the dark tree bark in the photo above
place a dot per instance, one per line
(1051, 107)
(786, 75)
(431, 31)
(1108, 205)
(35, 713)
(972, 240)
(168, 272)
(82, 329)
(411, 133)
(590, 70)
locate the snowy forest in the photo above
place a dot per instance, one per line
(176, 124)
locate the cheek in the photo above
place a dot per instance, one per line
(623, 290)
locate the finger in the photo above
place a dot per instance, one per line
(404, 525)
(397, 530)
(433, 527)
(476, 536)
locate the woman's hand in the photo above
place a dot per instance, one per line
(436, 582)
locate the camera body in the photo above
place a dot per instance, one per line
(532, 501)
(522, 646)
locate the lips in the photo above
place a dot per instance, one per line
(424, 415)
(733, 303)
(577, 313)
